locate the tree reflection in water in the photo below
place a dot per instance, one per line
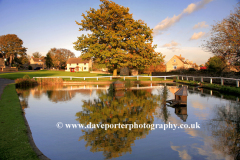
(162, 110)
(114, 107)
(225, 129)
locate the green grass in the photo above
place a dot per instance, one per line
(14, 143)
(45, 73)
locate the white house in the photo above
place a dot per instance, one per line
(77, 65)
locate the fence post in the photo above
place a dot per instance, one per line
(237, 83)
(201, 79)
(124, 78)
(151, 78)
(164, 78)
(110, 78)
(182, 77)
(177, 77)
(222, 81)
(193, 79)
(70, 78)
(187, 78)
(137, 77)
(84, 78)
(210, 80)
(97, 78)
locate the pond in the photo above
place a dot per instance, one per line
(210, 122)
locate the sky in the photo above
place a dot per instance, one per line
(179, 26)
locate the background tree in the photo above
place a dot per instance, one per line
(60, 57)
(11, 47)
(37, 55)
(216, 64)
(225, 38)
(48, 59)
(116, 39)
(158, 66)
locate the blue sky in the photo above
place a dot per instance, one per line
(45, 24)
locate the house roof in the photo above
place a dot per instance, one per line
(182, 91)
(181, 59)
(76, 60)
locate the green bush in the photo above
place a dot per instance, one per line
(26, 77)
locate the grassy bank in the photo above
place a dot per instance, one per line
(226, 89)
(45, 73)
(14, 143)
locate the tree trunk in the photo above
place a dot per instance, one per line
(115, 72)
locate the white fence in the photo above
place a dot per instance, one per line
(110, 77)
(210, 79)
(151, 77)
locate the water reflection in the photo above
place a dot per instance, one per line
(218, 137)
(224, 128)
(162, 110)
(114, 107)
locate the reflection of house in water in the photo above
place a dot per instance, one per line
(181, 112)
(173, 89)
(86, 90)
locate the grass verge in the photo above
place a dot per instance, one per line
(14, 142)
(46, 73)
(226, 89)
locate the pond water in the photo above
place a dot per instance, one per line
(216, 135)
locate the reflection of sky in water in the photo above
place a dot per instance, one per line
(43, 114)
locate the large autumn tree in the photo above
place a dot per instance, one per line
(116, 39)
(12, 47)
(225, 38)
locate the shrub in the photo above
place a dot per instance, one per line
(26, 77)
(25, 83)
(29, 67)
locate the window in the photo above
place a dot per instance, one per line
(77, 64)
(174, 60)
(174, 67)
(70, 64)
(85, 68)
(84, 63)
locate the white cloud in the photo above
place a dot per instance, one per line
(168, 22)
(200, 25)
(172, 46)
(198, 35)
